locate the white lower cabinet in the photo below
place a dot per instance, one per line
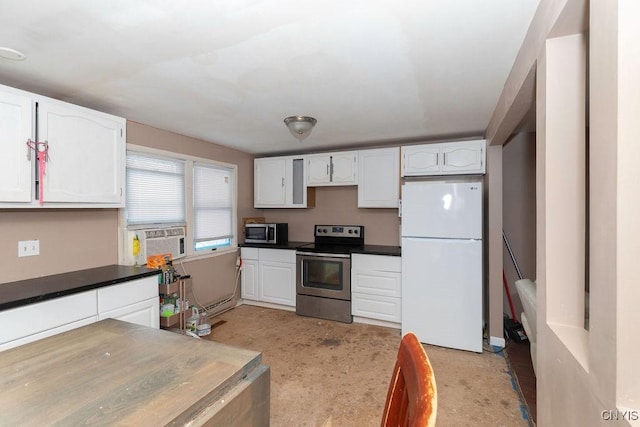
(249, 278)
(269, 276)
(40, 320)
(135, 301)
(376, 287)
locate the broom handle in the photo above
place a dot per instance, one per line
(513, 258)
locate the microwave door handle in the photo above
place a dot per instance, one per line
(270, 232)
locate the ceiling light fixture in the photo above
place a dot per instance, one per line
(300, 126)
(12, 54)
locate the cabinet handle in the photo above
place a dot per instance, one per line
(444, 158)
(327, 168)
(283, 181)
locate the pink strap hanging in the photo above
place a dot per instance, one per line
(42, 150)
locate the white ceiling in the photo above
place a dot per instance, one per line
(230, 71)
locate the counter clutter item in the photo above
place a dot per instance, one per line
(172, 315)
(129, 374)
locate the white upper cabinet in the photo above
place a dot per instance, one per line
(16, 127)
(279, 182)
(449, 158)
(378, 178)
(85, 165)
(86, 154)
(269, 182)
(330, 169)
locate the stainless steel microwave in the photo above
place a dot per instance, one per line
(266, 233)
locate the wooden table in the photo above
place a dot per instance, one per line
(117, 373)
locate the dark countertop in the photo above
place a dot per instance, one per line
(287, 245)
(23, 292)
(366, 249)
(378, 250)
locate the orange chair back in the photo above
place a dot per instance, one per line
(412, 399)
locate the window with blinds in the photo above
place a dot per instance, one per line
(168, 189)
(212, 206)
(155, 190)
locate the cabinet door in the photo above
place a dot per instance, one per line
(34, 319)
(145, 313)
(421, 160)
(376, 307)
(114, 297)
(318, 170)
(269, 176)
(344, 168)
(463, 157)
(86, 154)
(249, 284)
(16, 127)
(296, 183)
(378, 178)
(277, 283)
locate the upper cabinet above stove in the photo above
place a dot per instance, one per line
(330, 169)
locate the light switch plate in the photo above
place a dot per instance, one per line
(28, 248)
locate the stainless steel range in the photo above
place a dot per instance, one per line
(323, 283)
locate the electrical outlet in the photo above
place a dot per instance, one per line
(28, 248)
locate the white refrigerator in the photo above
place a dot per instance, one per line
(442, 263)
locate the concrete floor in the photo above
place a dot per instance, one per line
(330, 373)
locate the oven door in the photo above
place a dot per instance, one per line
(324, 275)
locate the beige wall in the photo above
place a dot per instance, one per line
(519, 210)
(70, 239)
(73, 239)
(338, 205)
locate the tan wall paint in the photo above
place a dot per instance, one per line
(519, 210)
(73, 239)
(339, 205)
(70, 239)
(493, 243)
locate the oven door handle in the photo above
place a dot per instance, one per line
(317, 254)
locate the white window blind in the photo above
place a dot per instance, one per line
(212, 205)
(155, 190)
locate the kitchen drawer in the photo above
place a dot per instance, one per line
(43, 316)
(249, 253)
(376, 262)
(376, 282)
(48, 333)
(376, 307)
(116, 296)
(278, 255)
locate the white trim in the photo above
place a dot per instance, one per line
(191, 254)
(376, 322)
(497, 342)
(242, 301)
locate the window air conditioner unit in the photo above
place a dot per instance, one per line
(158, 241)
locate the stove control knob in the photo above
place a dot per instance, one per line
(350, 231)
(355, 231)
